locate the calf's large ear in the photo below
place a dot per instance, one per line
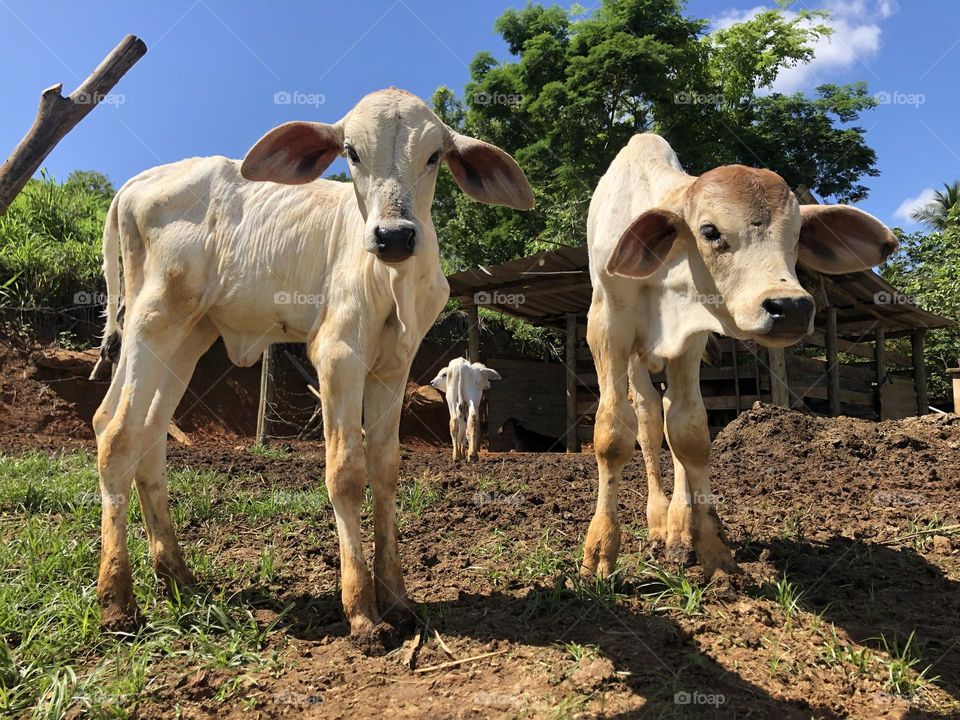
(841, 239)
(645, 244)
(487, 374)
(486, 173)
(293, 153)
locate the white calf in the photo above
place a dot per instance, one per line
(353, 270)
(463, 384)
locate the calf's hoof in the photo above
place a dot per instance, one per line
(717, 556)
(680, 553)
(379, 640)
(175, 575)
(121, 618)
(402, 618)
(602, 547)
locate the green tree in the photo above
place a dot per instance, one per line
(580, 84)
(936, 213)
(50, 241)
(927, 268)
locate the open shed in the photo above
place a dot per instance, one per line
(844, 367)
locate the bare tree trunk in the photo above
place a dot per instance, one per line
(58, 115)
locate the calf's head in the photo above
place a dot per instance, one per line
(394, 145)
(743, 232)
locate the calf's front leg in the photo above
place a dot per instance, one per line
(692, 519)
(342, 377)
(615, 433)
(382, 405)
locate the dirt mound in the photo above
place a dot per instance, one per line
(920, 451)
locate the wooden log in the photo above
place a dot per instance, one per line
(880, 369)
(779, 387)
(473, 333)
(833, 367)
(572, 439)
(58, 115)
(955, 375)
(266, 396)
(919, 371)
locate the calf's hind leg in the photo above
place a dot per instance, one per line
(649, 409)
(151, 480)
(150, 340)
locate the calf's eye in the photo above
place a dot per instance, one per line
(434, 158)
(710, 232)
(352, 154)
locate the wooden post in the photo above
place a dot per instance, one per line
(473, 334)
(880, 368)
(58, 115)
(573, 437)
(833, 366)
(779, 388)
(955, 374)
(919, 371)
(736, 373)
(266, 396)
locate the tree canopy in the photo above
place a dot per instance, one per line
(580, 84)
(927, 269)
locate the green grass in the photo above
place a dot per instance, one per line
(673, 591)
(903, 676)
(785, 593)
(414, 497)
(53, 657)
(269, 452)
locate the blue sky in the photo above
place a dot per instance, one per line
(213, 69)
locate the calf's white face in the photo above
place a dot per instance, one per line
(394, 145)
(743, 233)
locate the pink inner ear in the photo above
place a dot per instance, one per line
(645, 244)
(294, 153)
(842, 239)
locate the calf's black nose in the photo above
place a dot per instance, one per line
(791, 315)
(395, 243)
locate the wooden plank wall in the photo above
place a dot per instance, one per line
(531, 391)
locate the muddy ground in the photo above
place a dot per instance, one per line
(859, 517)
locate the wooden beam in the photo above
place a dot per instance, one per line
(919, 371)
(473, 333)
(266, 396)
(955, 374)
(779, 387)
(833, 367)
(736, 372)
(880, 369)
(572, 438)
(58, 115)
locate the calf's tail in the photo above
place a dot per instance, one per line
(110, 347)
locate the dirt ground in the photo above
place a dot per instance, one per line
(859, 517)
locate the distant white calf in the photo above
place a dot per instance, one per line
(463, 383)
(672, 259)
(352, 269)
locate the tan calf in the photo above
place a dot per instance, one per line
(672, 259)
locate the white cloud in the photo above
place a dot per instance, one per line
(855, 40)
(912, 204)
